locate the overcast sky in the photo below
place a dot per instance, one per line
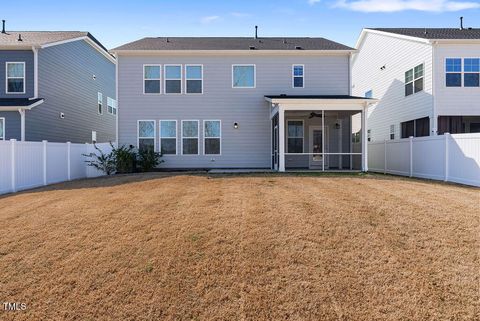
(118, 22)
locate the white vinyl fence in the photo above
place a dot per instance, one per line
(452, 158)
(25, 165)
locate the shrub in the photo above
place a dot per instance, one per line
(101, 161)
(125, 159)
(148, 159)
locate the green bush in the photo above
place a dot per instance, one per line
(101, 161)
(125, 159)
(148, 159)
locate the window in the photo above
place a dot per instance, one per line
(15, 77)
(369, 94)
(243, 76)
(173, 79)
(414, 80)
(458, 124)
(111, 106)
(190, 137)
(151, 79)
(168, 137)
(146, 134)
(2, 128)
(392, 132)
(295, 136)
(100, 103)
(471, 68)
(212, 137)
(453, 69)
(298, 76)
(94, 136)
(416, 128)
(369, 135)
(194, 79)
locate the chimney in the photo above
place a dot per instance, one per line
(256, 32)
(3, 28)
(19, 37)
(461, 23)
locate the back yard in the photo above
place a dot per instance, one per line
(266, 247)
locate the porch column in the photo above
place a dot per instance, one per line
(281, 139)
(364, 140)
(22, 124)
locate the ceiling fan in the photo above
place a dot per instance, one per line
(314, 115)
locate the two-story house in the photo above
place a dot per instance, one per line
(279, 103)
(426, 80)
(57, 86)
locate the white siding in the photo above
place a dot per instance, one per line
(398, 56)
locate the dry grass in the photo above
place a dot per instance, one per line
(242, 248)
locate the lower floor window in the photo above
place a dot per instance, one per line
(168, 137)
(458, 124)
(146, 134)
(190, 137)
(212, 137)
(2, 128)
(416, 128)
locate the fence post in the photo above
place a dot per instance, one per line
(411, 156)
(447, 137)
(13, 165)
(385, 157)
(44, 162)
(68, 161)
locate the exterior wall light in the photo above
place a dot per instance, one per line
(235, 125)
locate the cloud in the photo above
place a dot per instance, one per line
(312, 2)
(402, 5)
(241, 14)
(209, 19)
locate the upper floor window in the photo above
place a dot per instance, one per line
(243, 76)
(295, 136)
(298, 76)
(471, 68)
(168, 137)
(111, 106)
(15, 78)
(194, 79)
(453, 69)
(369, 94)
(146, 134)
(2, 128)
(173, 79)
(414, 80)
(151, 79)
(100, 103)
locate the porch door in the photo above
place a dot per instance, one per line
(316, 150)
(275, 141)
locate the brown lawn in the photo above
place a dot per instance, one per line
(192, 247)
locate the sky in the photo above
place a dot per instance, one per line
(117, 22)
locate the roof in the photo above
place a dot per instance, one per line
(16, 103)
(316, 97)
(232, 43)
(434, 33)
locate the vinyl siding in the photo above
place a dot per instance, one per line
(17, 56)
(249, 146)
(67, 85)
(12, 124)
(398, 56)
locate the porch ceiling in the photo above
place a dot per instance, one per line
(317, 100)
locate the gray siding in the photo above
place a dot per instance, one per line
(67, 85)
(17, 56)
(246, 147)
(12, 124)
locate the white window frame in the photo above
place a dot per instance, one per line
(160, 136)
(392, 132)
(293, 75)
(114, 106)
(219, 137)
(186, 78)
(303, 135)
(415, 79)
(2, 120)
(154, 133)
(198, 137)
(467, 72)
(24, 77)
(165, 78)
(100, 102)
(254, 76)
(454, 72)
(159, 79)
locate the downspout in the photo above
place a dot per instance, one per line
(434, 128)
(35, 72)
(117, 100)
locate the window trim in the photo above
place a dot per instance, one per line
(293, 75)
(159, 79)
(99, 102)
(113, 106)
(186, 78)
(2, 120)
(303, 136)
(413, 80)
(445, 72)
(254, 75)
(154, 133)
(160, 136)
(165, 78)
(198, 137)
(220, 137)
(24, 77)
(392, 132)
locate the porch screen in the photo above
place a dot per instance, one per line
(295, 136)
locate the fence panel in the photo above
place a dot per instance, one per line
(77, 161)
(429, 157)
(464, 149)
(376, 156)
(28, 165)
(398, 157)
(57, 165)
(5, 167)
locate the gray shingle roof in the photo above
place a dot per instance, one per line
(232, 43)
(434, 33)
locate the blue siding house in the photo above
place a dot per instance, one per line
(57, 86)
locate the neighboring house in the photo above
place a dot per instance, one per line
(426, 80)
(280, 103)
(57, 86)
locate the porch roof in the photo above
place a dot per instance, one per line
(12, 104)
(318, 98)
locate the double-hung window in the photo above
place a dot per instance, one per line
(190, 137)
(392, 132)
(243, 76)
(111, 106)
(369, 94)
(168, 137)
(151, 79)
(194, 79)
(100, 103)
(212, 137)
(298, 76)
(2, 128)
(173, 79)
(295, 136)
(146, 134)
(414, 80)
(471, 68)
(453, 72)
(15, 77)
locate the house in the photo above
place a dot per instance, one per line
(274, 103)
(426, 80)
(58, 86)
